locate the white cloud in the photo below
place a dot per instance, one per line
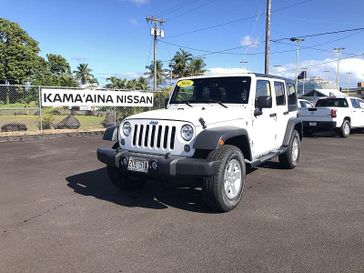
(140, 2)
(327, 69)
(249, 41)
(225, 71)
(80, 59)
(133, 21)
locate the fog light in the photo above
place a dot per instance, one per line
(154, 165)
(125, 161)
(122, 142)
(187, 148)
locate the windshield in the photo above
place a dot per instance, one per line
(210, 90)
(332, 103)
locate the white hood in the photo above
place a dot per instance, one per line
(211, 114)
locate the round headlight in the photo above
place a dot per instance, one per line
(187, 132)
(126, 128)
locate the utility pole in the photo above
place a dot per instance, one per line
(338, 51)
(297, 41)
(155, 31)
(267, 38)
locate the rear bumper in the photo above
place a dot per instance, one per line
(166, 166)
(319, 125)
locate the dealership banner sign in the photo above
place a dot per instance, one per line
(88, 97)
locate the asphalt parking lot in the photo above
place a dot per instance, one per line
(59, 213)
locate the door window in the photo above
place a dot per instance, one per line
(280, 93)
(355, 103)
(292, 97)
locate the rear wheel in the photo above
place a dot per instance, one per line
(223, 191)
(345, 129)
(289, 159)
(124, 182)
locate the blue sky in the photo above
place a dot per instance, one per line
(113, 37)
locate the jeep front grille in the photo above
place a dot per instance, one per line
(154, 136)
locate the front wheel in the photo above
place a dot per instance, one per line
(124, 182)
(289, 159)
(222, 192)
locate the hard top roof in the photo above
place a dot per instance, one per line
(240, 75)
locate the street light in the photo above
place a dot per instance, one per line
(349, 79)
(171, 64)
(327, 75)
(338, 51)
(304, 69)
(242, 63)
(277, 66)
(297, 41)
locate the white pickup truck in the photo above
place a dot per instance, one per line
(340, 114)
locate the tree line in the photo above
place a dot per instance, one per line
(20, 63)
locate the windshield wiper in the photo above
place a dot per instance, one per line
(189, 104)
(218, 102)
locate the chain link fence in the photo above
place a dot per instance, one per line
(21, 110)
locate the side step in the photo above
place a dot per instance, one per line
(266, 157)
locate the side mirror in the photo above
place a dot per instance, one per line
(111, 133)
(263, 102)
(166, 102)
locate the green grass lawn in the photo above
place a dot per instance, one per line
(31, 121)
(19, 105)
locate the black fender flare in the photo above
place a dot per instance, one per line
(214, 138)
(293, 124)
(111, 133)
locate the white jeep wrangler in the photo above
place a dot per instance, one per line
(211, 127)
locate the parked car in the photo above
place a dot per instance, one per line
(211, 128)
(304, 103)
(340, 114)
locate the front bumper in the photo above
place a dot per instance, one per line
(166, 165)
(319, 125)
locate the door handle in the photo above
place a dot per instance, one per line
(285, 113)
(273, 115)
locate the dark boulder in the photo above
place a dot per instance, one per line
(109, 120)
(69, 122)
(13, 127)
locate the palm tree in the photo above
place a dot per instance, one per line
(160, 72)
(180, 63)
(83, 74)
(116, 83)
(131, 84)
(196, 67)
(141, 83)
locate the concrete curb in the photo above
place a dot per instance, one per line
(50, 134)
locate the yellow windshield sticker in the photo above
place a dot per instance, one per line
(185, 83)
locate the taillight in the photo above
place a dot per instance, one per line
(333, 113)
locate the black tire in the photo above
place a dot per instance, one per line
(124, 182)
(289, 159)
(213, 190)
(345, 129)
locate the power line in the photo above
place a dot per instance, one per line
(236, 20)
(321, 34)
(176, 7)
(192, 10)
(226, 51)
